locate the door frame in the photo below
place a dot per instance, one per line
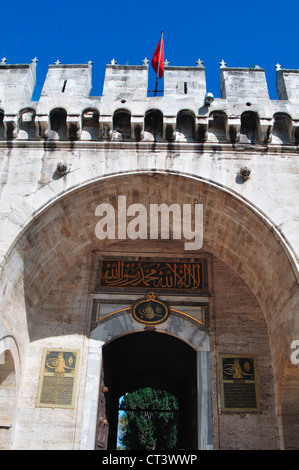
(178, 327)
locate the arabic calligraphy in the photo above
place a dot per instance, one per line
(152, 274)
(237, 370)
(58, 364)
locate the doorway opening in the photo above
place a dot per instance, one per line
(157, 361)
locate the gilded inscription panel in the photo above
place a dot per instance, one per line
(58, 378)
(154, 275)
(239, 386)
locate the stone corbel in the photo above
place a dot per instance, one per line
(201, 128)
(73, 125)
(234, 128)
(105, 127)
(42, 126)
(226, 129)
(265, 130)
(295, 132)
(289, 125)
(137, 127)
(169, 128)
(10, 124)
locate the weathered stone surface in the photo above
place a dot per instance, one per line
(48, 242)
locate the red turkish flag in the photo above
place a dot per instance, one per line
(155, 60)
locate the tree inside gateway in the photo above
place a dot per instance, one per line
(149, 420)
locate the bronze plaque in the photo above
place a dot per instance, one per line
(150, 311)
(58, 379)
(239, 383)
(152, 275)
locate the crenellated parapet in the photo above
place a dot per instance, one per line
(184, 111)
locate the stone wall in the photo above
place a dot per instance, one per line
(237, 326)
(47, 221)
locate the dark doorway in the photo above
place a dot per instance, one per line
(157, 360)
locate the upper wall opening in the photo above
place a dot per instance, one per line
(90, 124)
(185, 126)
(153, 125)
(27, 128)
(58, 129)
(249, 128)
(121, 125)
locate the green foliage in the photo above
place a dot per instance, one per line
(122, 426)
(148, 427)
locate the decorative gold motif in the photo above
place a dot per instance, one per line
(235, 369)
(59, 365)
(150, 311)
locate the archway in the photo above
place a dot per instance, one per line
(235, 232)
(157, 360)
(9, 382)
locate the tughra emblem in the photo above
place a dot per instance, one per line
(58, 364)
(150, 311)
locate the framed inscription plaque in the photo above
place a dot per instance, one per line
(58, 378)
(154, 275)
(239, 386)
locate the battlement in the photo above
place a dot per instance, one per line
(185, 81)
(239, 84)
(17, 82)
(244, 112)
(123, 82)
(72, 80)
(288, 84)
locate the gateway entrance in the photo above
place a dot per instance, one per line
(149, 328)
(156, 360)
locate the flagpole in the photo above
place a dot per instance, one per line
(156, 87)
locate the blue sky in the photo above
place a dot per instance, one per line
(260, 32)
